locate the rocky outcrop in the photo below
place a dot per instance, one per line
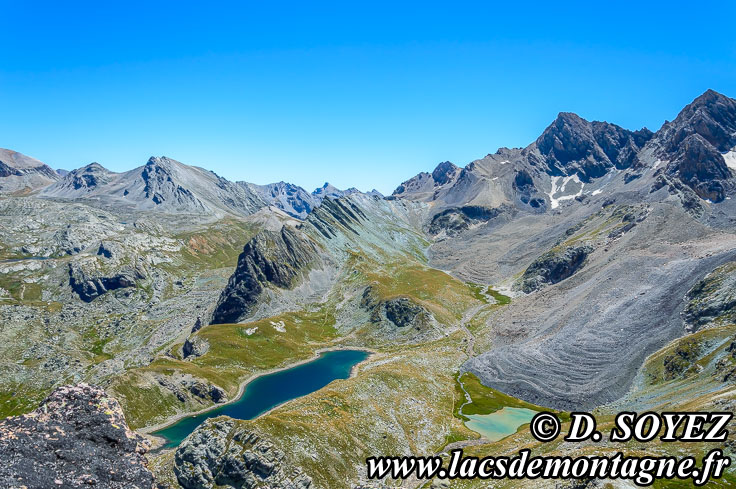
(194, 346)
(270, 259)
(110, 250)
(403, 312)
(712, 298)
(159, 186)
(725, 368)
(701, 167)
(220, 453)
(681, 359)
(455, 220)
(76, 438)
(183, 386)
(554, 266)
(328, 191)
(444, 173)
(88, 177)
(89, 286)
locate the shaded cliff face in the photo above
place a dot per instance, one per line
(271, 258)
(76, 438)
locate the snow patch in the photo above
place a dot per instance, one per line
(596, 192)
(560, 190)
(251, 331)
(279, 326)
(504, 162)
(730, 158)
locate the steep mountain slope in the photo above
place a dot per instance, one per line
(21, 173)
(603, 227)
(162, 184)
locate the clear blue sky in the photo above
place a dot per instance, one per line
(360, 94)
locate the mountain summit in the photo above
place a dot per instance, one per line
(21, 173)
(163, 184)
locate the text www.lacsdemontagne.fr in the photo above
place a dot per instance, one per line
(642, 471)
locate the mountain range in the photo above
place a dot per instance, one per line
(593, 269)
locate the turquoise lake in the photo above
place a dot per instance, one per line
(268, 391)
(500, 424)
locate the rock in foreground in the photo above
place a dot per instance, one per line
(76, 438)
(220, 453)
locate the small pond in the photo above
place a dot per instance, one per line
(500, 424)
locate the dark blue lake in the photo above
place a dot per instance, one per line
(268, 391)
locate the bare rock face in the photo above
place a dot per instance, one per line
(76, 438)
(219, 453)
(271, 258)
(445, 173)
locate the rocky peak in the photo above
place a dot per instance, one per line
(327, 190)
(290, 198)
(712, 116)
(78, 437)
(88, 177)
(444, 173)
(573, 145)
(694, 143)
(161, 185)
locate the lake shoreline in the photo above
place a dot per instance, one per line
(158, 441)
